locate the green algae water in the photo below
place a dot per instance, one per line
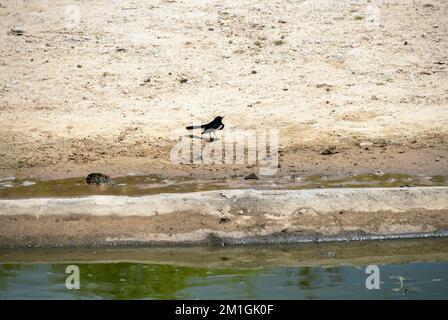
(409, 269)
(13, 188)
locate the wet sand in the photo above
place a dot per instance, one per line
(225, 217)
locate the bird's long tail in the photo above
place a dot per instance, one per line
(194, 127)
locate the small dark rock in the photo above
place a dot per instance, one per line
(279, 42)
(224, 220)
(183, 80)
(251, 176)
(214, 240)
(329, 151)
(121, 50)
(97, 179)
(16, 31)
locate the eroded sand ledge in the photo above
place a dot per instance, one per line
(225, 217)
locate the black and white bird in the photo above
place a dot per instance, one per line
(210, 127)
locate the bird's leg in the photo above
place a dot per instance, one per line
(210, 136)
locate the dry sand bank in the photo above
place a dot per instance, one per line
(106, 94)
(225, 217)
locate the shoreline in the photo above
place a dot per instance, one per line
(305, 254)
(304, 160)
(226, 217)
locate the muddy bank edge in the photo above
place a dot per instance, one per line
(226, 217)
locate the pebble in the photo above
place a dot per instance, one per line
(329, 151)
(224, 220)
(97, 179)
(6, 185)
(7, 179)
(28, 183)
(365, 144)
(251, 176)
(16, 31)
(392, 142)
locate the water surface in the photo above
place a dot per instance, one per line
(409, 269)
(12, 188)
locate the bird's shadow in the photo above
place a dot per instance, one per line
(193, 136)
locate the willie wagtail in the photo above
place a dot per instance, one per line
(210, 128)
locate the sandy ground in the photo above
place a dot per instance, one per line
(106, 94)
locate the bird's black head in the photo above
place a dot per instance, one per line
(218, 119)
